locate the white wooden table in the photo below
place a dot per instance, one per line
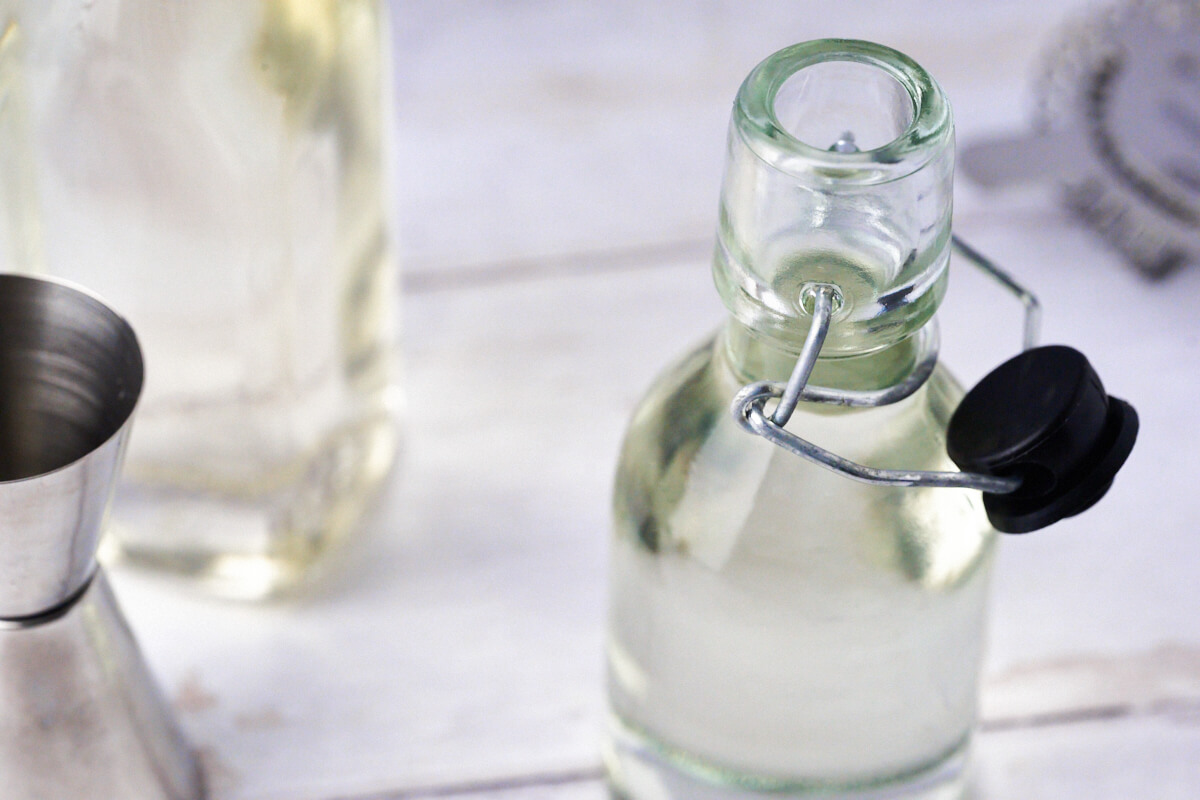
(559, 168)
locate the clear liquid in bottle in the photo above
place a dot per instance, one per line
(775, 628)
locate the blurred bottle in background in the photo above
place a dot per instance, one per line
(217, 170)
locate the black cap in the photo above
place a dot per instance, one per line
(1042, 416)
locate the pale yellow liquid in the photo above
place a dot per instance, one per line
(216, 170)
(776, 627)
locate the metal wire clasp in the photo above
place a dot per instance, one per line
(749, 404)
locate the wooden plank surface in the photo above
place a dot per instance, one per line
(534, 130)
(1154, 756)
(460, 639)
(559, 166)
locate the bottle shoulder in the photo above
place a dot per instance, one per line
(695, 391)
(691, 479)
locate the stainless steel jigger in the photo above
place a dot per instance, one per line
(80, 714)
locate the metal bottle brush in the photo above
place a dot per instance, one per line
(80, 714)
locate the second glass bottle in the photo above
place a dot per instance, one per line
(218, 170)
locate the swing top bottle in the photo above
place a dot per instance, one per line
(775, 628)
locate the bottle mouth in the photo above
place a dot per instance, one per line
(844, 110)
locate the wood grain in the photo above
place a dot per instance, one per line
(1156, 756)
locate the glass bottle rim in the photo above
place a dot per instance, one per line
(755, 119)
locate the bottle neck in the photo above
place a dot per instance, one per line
(754, 355)
(838, 171)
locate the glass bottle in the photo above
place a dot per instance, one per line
(218, 170)
(776, 629)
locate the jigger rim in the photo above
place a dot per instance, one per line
(138, 376)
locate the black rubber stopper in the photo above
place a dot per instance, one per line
(1042, 416)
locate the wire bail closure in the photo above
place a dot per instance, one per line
(749, 404)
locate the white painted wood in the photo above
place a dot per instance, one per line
(1152, 757)
(535, 129)
(589, 790)
(1102, 606)
(463, 641)
(460, 639)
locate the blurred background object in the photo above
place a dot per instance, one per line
(1118, 125)
(218, 170)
